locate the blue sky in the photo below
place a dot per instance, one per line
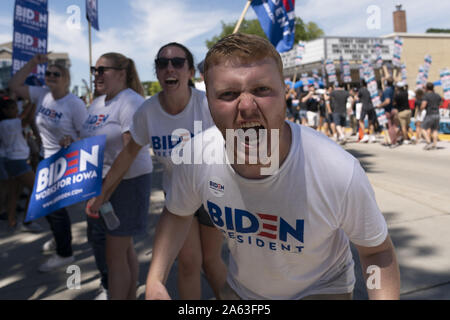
(138, 28)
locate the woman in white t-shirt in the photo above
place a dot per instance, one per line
(59, 117)
(177, 106)
(111, 114)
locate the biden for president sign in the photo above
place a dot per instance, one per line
(72, 175)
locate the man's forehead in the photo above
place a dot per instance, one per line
(238, 62)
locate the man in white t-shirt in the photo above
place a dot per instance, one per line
(288, 225)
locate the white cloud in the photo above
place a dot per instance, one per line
(154, 24)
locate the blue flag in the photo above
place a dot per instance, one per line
(72, 175)
(277, 19)
(92, 13)
(30, 34)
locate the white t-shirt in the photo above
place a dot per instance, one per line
(13, 142)
(57, 118)
(152, 125)
(288, 233)
(113, 118)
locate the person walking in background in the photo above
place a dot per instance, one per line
(120, 95)
(59, 118)
(176, 108)
(338, 103)
(401, 102)
(369, 111)
(292, 111)
(391, 112)
(431, 103)
(311, 102)
(351, 108)
(419, 115)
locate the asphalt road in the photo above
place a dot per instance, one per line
(412, 187)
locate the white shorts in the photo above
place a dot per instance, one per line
(313, 118)
(421, 115)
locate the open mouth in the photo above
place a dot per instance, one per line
(171, 81)
(251, 134)
(252, 125)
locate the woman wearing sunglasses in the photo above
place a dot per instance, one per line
(120, 94)
(177, 106)
(59, 118)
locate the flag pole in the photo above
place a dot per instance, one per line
(90, 64)
(244, 12)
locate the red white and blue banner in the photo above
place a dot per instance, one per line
(346, 72)
(92, 13)
(300, 53)
(420, 78)
(404, 72)
(398, 48)
(72, 175)
(331, 72)
(426, 67)
(445, 82)
(378, 56)
(277, 19)
(369, 77)
(30, 35)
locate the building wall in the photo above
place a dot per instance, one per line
(416, 47)
(414, 52)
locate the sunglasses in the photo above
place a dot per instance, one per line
(101, 70)
(177, 63)
(55, 74)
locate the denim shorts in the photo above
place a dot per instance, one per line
(303, 114)
(431, 121)
(131, 203)
(16, 168)
(339, 119)
(3, 173)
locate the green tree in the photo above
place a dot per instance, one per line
(436, 30)
(303, 32)
(151, 87)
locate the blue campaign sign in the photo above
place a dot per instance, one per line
(39, 4)
(72, 175)
(277, 19)
(92, 13)
(30, 33)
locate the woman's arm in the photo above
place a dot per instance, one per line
(17, 82)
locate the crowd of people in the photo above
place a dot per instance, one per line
(206, 204)
(333, 109)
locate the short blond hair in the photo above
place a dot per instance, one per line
(243, 47)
